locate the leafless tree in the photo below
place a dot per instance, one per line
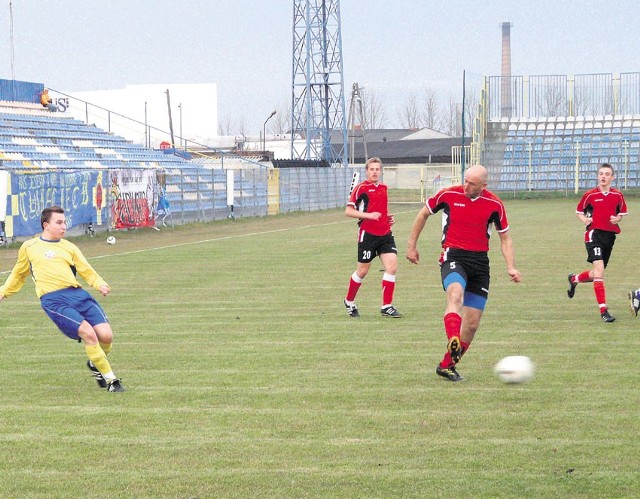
(430, 114)
(580, 102)
(281, 122)
(593, 95)
(548, 94)
(410, 114)
(470, 111)
(241, 126)
(451, 115)
(451, 121)
(224, 125)
(373, 108)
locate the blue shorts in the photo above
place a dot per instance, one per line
(469, 269)
(68, 307)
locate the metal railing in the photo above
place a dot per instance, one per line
(563, 95)
(147, 135)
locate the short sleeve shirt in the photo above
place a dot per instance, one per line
(466, 223)
(600, 206)
(369, 197)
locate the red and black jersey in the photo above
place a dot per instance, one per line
(466, 222)
(600, 207)
(369, 197)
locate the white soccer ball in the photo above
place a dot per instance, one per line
(515, 369)
(111, 240)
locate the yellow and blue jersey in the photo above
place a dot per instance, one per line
(52, 265)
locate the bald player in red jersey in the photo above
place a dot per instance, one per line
(601, 210)
(468, 211)
(368, 202)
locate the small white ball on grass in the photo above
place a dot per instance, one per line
(515, 369)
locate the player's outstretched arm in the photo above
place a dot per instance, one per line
(87, 272)
(506, 246)
(418, 224)
(18, 275)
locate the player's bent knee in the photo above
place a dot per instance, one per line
(88, 335)
(104, 332)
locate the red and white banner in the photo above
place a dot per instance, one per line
(133, 198)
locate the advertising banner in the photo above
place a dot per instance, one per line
(134, 198)
(33, 192)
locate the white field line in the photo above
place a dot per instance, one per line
(215, 239)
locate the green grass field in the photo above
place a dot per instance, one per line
(245, 377)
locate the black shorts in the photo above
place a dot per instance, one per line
(599, 245)
(472, 266)
(370, 246)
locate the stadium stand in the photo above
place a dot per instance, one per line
(535, 148)
(532, 154)
(49, 157)
(30, 136)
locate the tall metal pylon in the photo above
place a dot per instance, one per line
(318, 103)
(356, 125)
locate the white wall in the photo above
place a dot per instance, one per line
(199, 103)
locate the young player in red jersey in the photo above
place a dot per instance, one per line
(467, 213)
(368, 203)
(601, 210)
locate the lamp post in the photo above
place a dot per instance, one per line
(264, 130)
(530, 149)
(184, 145)
(147, 138)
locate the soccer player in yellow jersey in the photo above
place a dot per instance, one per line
(53, 263)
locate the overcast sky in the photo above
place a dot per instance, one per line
(394, 48)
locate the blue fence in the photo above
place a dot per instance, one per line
(104, 199)
(21, 91)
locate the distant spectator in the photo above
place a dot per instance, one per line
(47, 101)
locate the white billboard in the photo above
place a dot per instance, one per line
(126, 111)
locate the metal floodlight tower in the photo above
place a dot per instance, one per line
(317, 91)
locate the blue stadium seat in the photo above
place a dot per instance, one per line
(54, 141)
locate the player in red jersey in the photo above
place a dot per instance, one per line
(601, 210)
(468, 211)
(368, 203)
